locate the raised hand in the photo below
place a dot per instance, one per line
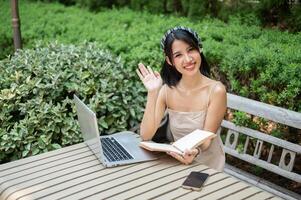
(151, 80)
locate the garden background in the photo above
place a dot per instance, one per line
(92, 48)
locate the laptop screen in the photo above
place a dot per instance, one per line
(88, 125)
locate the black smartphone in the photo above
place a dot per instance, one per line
(195, 180)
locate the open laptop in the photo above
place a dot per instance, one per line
(112, 150)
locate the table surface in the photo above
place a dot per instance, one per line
(74, 173)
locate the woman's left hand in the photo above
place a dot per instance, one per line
(187, 157)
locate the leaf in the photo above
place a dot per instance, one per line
(25, 153)
(27, 147)
(41, 144)
(56, 146)
(35, 151)
(103, 123)
(132, 111)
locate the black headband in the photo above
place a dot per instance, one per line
(192, 32)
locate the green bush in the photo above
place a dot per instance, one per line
(260, 64)
(267, 68)
(283, 14)
(37, 113)
(6, 45)
(294, 20)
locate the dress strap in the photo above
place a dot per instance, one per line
(210, 91)
(165, 90)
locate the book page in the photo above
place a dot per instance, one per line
(152, 146)
(193, 139)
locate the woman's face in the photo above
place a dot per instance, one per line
(185, 58)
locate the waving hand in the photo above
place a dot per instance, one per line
(151, 80)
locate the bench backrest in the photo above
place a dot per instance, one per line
(269, 112)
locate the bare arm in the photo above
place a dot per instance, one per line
(155, 104)
(216, 111)
(153, 114)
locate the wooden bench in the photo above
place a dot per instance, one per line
(290, 151)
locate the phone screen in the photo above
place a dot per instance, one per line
(195, 180)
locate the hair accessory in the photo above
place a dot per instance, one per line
(196, 36)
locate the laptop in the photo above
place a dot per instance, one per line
(112, 150)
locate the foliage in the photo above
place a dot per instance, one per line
(294, 20)
(240, 11)
(37, 113)
(242, 119)
(257, 170)
(283, 14)
(261, 68)
(6, 45)
(259, 64)
(272, 10)
(198, 9)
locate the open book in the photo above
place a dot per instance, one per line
(190, 141)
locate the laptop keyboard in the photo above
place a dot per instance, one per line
(113, 151)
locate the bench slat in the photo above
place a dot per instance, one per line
(264, 164)
(262, 136)
(270, 112)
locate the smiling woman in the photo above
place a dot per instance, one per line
(191, 99)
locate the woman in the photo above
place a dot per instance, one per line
(191, 98)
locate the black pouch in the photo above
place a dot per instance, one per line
(161, 133)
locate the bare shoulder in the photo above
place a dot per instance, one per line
(219, 89)
(218, 94)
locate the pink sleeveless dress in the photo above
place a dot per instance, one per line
(182, 123)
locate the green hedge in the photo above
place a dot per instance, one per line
(259, 64)
(283, 14)
(37, 113)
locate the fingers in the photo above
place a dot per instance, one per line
(139, 74)
(179, 158)
(192, 152)
(186, 158)
(150, 70)
(143, 69)
(157, 74)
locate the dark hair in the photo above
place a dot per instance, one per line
(170, 74)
